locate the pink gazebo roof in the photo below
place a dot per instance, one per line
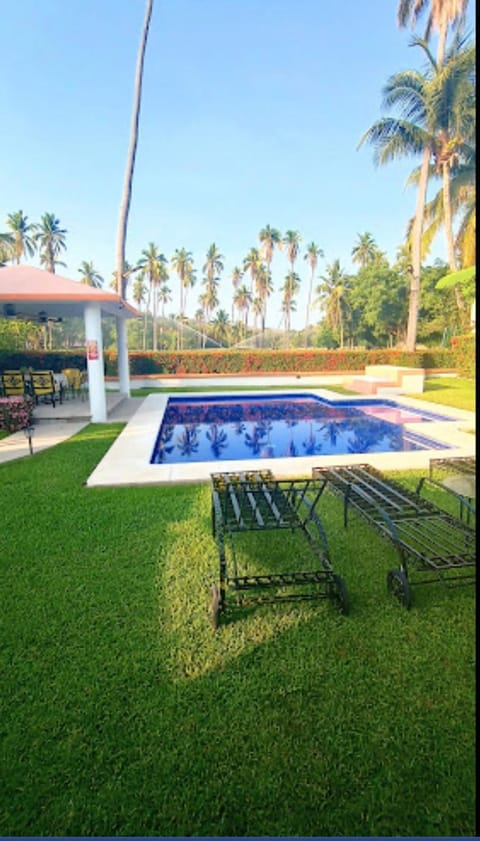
(25, 291)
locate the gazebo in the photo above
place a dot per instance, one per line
(29, 293)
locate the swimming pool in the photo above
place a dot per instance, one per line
(227, 428)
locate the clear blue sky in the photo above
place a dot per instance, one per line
(251, 114)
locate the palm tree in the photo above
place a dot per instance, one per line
(269, 239)
(141, 295)
(89, 275)
(365, 251)
(214, 262)
(153, 265)
(127, 188)
(443, 13)
(243, 300)
(237, 275)
(164, 297)
(289, 291)
(312, 255)
(450, 107)
(251, 264)
(394, 137)
(264, 288)
(331, 292)
(291, 245)
(182, 263)
(21, 235)
(221, 326)
(50, 240)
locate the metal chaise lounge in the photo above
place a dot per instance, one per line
(439, 546)
(255, 501)
(457, 477)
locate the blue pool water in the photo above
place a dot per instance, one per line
(197, 429)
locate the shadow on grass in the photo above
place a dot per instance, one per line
(124, 714)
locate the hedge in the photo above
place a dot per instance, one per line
(463, 351)
(276, 361)
(234, 361)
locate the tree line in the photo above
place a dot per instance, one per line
(432, 118)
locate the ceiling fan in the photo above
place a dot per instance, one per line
(41, 317)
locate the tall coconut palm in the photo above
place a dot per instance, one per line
(214, 262)
(243, 300)
(221, 325)
(289, 291)
(89, 274)
(450, 100)
(154, 267)
(331, 294)
(141, 295)
(50, 240)
(406, 135)
(132, 151)
(365, 250)
(237, 275)
(442, 15)
(312, 255)
(291, 245)
(182, 264)
(251, 264)
(22, 235)
(264, 288)
(269, 238)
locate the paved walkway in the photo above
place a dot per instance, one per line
(49, 429)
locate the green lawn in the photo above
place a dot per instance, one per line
(124, 714)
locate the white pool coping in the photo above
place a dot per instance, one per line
(127, 462)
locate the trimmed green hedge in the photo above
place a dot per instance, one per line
(54, 360)
(235, 361)
(276, 361)
(463, 351)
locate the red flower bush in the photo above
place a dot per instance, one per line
(15, 412)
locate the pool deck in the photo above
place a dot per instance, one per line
(127, 461)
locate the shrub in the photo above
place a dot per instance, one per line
(15, 412)
(224, 361)
(463, 351)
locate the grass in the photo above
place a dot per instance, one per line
(124, 714)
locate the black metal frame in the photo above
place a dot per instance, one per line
(256, 501)
(426, 536)
(462, 466)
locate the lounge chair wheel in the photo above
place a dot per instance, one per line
(399, 586)
(340, 595)
(214, 607)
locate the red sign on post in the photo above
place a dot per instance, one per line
(92, 349)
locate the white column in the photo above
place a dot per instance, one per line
(122, 357)
(96, 379)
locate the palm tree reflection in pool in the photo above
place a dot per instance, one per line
(218, 439)
(188, 442)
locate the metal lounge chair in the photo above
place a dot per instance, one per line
(438, 545)
(457, 477)
(256, 501)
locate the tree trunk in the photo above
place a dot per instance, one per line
(127, 187)
(447, 213)
(416, 235)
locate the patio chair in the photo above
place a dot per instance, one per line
(433, 540)
(44, 387)
(75, 380)
(13, 383)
